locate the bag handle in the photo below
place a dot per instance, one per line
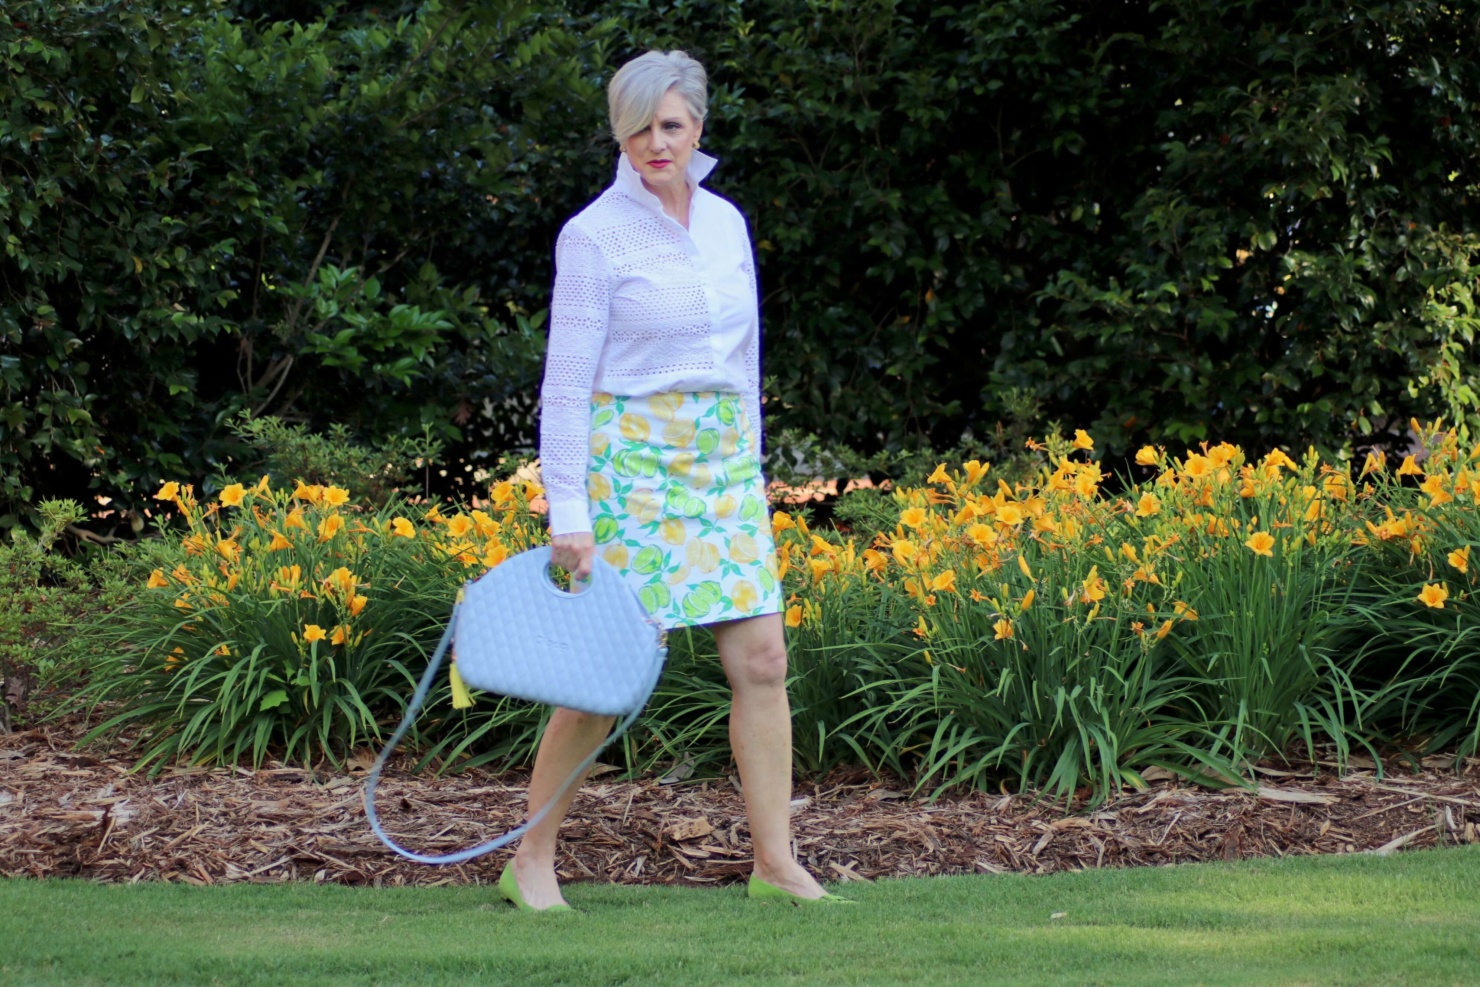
(412, 709)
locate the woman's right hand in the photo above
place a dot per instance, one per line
(574, 553)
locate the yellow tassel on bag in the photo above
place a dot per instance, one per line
(461, 698)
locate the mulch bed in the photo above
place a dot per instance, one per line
(70, 814)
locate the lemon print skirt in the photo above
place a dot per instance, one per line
(678, 505)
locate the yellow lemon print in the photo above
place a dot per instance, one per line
(729, 441)
(702, 555)
(700, 476)
(616, 556)
(674, 578)
(634, 428)
(682, 465)
(644, 505)
(665, 406)
(602, 399)
(599, 443)
(724, 507)
(598, 486)
(743, 549)
(744, 596)
(679, 433)
(673, 531)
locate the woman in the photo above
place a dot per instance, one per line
(648, 443)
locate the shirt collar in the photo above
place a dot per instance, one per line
(630, 182)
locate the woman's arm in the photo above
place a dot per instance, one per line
(580, 308)
(752, 395)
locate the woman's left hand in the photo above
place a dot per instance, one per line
(574, 553)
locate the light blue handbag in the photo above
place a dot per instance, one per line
(518, 634)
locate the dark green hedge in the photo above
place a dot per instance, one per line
(1168, 220)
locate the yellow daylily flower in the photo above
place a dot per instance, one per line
(1433, 485)
(341, 581)
(1082, 439)
(1460, 559)
(310, 492)
(233, 495)
(914, 517)
(1433, 595)
(1261, 543)
(330, 526)
(983, 535)
(1277, 458)
(1094, 586)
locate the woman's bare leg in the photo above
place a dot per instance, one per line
(753, 653)
(569, 737)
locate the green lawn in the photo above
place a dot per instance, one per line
(1408, 919)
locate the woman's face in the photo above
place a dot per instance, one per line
(661, 152)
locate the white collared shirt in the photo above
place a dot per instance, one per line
(642, 305)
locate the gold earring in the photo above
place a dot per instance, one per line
(696, 145)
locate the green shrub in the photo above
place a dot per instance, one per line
(288, 453)
(43, 591)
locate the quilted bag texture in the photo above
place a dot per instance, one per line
(518, 634)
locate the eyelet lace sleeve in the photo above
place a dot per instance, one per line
(580, 311)
(752, 395)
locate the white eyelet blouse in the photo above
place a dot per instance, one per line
(640, 306)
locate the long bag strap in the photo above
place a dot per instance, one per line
(412, 709)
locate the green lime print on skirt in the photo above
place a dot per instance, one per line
(678, 505)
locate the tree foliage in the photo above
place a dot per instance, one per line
(1166, 220)
(320, 221)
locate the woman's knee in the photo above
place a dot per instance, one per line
(762, 665)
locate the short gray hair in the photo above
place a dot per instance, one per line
(633, 95)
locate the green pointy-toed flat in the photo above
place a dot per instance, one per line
(763, 891)
(508, 889)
